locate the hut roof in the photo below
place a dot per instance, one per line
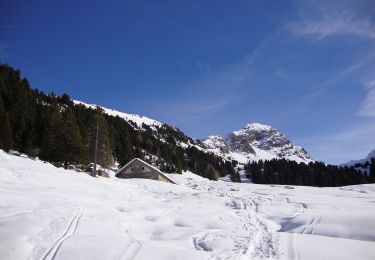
(147, 164)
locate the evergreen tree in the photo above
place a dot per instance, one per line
(52, 141)
(73, 146)
(63, 142)
(125, 153)
(372, 170)
(6, 140)
(104, 149)
(22, 113)
(27, 145)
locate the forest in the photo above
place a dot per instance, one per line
(317, 174)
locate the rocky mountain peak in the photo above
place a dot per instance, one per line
(255, 142)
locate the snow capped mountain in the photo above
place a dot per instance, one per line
(255, 142)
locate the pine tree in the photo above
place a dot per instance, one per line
(52, 141)
(126, 151)
(63, 142)
(73, 147)
(22, 113)
(27, 142)
(372, 170)
(6, 141)
(104, 149)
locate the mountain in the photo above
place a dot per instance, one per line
(361, 161)
(253, 142)
(363, 165)
(256, 142)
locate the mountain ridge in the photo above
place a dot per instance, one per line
(242, 145)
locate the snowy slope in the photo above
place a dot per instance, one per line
(139, 120)
(256, 142)
(51, 213)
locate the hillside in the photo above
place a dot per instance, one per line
(52, 213)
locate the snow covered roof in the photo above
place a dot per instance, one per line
(149, 165)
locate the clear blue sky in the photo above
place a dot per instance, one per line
(305, 67)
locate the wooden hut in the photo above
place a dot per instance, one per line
(138, 168)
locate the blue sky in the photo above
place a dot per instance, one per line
(209, 67)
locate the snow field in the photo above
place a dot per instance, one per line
(50, 213)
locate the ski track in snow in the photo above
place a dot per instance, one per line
(310, 227)
(69, 231)
(293, 252)
(132, 249)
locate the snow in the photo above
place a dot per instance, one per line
(52, 213)
(139, 120)
(253, 126)
(260, 154)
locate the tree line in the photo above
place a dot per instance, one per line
(57, 130)
(313, 174)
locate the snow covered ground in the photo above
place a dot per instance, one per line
(51, 213)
